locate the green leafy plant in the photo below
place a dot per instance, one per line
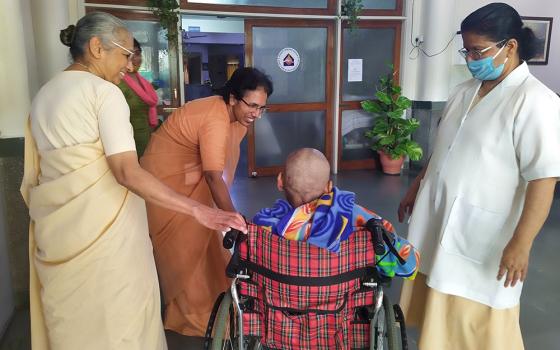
(352, 9)
(391, 132)
(167, 11)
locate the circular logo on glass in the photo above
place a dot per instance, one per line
(288, 59)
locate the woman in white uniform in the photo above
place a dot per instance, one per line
(93, 279)
(485, 193)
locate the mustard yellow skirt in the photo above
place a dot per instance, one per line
(448, 322)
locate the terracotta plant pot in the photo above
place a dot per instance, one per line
(390, 166)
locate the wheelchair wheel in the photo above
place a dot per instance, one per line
(225, 329)
(220, 340)
(383, 332)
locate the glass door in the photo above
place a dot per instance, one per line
(297, 55)
(367, 53)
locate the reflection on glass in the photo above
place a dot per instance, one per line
(306, 84)
(280, 133)
(355, 145)
(317, 4)
(155, 56)
(375, 47)
(379, 4)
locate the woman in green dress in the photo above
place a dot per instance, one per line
(142, 101)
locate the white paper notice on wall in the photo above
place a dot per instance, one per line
(355, 69)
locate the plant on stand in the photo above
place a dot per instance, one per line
(391, 131)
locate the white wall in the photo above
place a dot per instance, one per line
(15, 71)
(409, 66)
(427, 78)
(432, 82)
(31, 54)
(52, 55)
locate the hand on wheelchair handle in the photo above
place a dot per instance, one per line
(231, 236)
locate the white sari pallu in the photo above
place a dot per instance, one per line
(93, 282)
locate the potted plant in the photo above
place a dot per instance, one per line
(391, 131)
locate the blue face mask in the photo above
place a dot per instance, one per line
(483, 69)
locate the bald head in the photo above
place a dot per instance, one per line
(306, 176)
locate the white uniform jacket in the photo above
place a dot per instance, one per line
(472, 195)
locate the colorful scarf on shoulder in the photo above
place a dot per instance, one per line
(323, 222)
(146, 92)
(330, 220)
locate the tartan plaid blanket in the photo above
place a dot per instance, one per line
(301, 296)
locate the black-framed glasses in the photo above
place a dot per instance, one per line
(477, 54)
(256, 107)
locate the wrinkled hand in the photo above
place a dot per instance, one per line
(515, 260)
(406, 204)
(218, 219)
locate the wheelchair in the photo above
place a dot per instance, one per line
(291, 295)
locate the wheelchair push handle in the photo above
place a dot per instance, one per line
(380, 235)
(230, 238)
(375, 226)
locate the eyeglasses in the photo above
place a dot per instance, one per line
(130, 53)
(256, 107)
(477, 54)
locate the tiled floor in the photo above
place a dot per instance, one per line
(540, 304)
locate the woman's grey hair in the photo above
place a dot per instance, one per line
(95, 24)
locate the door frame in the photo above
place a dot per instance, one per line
(355, 105)
(327, 105)
(329, 10)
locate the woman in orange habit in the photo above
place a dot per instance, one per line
(195, 152)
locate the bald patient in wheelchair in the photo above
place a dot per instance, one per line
(319, 213)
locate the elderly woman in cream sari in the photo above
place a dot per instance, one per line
(93, 278)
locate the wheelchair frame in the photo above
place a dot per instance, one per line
(387, 329)
(386, 332)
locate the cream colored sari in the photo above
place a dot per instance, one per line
(93, 282)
